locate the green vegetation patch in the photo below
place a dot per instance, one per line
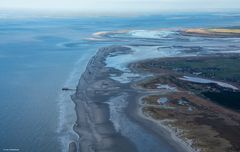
(221, 68)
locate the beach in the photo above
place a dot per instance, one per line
(96, 131)
(42, 60)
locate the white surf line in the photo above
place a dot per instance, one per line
(67, 114)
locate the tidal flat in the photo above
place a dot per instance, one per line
(167, 92)
(42, 59)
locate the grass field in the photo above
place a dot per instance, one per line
(224, 68)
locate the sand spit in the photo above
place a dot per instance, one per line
(95, 130)
(214, 32)
(94, 126)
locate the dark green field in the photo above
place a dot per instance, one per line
(220, 68)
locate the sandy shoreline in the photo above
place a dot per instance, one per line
(213, 32)
(96, 131)
(93, 126)
(170, 133)
(156, 127)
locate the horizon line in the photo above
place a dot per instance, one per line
(74, 13)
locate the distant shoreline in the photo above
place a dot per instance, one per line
(213, 32)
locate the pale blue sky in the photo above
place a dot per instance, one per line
(120, 6)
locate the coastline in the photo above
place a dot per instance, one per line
(169, 121)
(96, 131)
(157, 127)
(41, 56)
(171, 133)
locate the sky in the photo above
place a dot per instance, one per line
(119, 6)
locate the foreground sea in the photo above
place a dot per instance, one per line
(41, 55)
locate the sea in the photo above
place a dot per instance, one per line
(41, 55)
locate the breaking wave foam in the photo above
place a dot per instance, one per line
(67, 114)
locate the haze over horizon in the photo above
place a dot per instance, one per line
(119, 6)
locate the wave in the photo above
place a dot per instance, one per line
(67, 115)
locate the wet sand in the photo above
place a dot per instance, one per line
(97, 132)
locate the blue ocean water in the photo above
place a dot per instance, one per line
(39, 56)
